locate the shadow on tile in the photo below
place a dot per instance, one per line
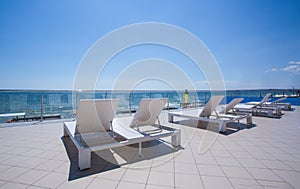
(232, 127)
(109, 159)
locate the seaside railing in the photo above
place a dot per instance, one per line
(44, 104)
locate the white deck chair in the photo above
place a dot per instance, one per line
(262, 102)
(92, 129)
(279, 100)
(279, 103)
(147, 114)
(206, 114)
(256, 108)
(202, 113)
(146, 122)
(225, 111)
(229, 107)
(95, 130)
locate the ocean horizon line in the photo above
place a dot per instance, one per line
(143, 90)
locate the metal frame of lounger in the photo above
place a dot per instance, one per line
(272, 112)
(124, 130)
(129, 135)
(283, 106)
(234, 118)
(221, 119)
(278, 103)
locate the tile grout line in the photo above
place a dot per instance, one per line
(196, 164)
(219, 165)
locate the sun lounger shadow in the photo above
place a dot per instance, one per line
(104, 160)
(231, 127)
(234, 127)
(98, 164)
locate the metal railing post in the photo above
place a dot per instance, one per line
(195, 99)
(76, 103)
(129, 100)
(168, 101)
(42, 106)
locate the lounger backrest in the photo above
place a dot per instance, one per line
(211, 105)
(148, 111)
(265, 99)
(231, 104)
(95, 115)
(278, 100)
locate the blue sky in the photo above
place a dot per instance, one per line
(255, 42)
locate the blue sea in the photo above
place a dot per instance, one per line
(64, 102)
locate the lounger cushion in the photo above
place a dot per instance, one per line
(148, 111)
(211, 105)
(97, 138)
(95, 115)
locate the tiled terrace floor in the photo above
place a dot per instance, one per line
(265, 156)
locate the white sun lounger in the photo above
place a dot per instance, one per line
(146, 122)
(257, 108)
(92, 129)
(16, 115)
(229, 107)
(205, 114)
(13, 115)
(225, 111)
(278, 103)
(262, 102)
(248, 108)
(95, 130)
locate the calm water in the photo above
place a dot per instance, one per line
(64, 102)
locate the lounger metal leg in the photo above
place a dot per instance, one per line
(170, 118)
(65, 133)
(222, 124)
(278, 111)
(270, 113)
(176, 138)
(84, 159)
(140, 149)
(249, 121)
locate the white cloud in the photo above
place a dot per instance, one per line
(293, 62)
(272, 70)
(292, 67)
